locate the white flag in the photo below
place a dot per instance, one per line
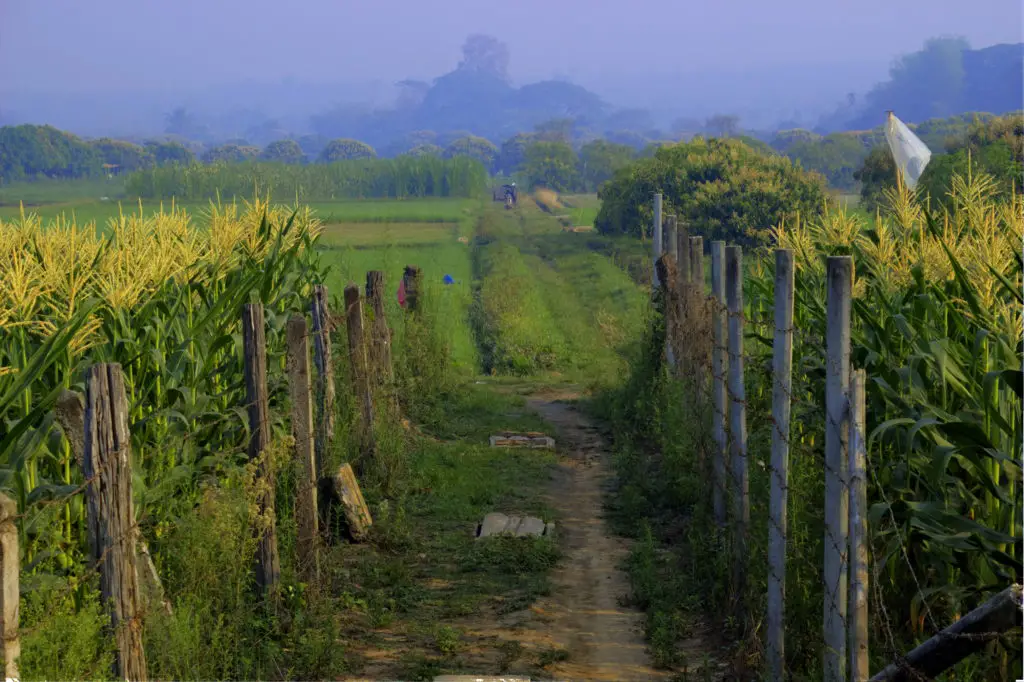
(910, 153)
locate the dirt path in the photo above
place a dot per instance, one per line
(583, 615)
(604, 639)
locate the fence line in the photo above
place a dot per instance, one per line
(845, 469)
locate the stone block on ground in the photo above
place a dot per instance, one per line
(531, 439)
(497, 523)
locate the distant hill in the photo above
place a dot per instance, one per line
(946, 78)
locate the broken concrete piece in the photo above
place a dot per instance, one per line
(496, 523)
(532, 439)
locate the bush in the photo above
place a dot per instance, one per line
(721, 188)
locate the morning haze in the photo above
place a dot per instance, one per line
(119, 66)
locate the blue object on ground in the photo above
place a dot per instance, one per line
(448, 279)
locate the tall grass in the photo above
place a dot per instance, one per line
(937, 327)
(403, 177)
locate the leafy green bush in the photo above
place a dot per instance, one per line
(721, 188)
(29, 151)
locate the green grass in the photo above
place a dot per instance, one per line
(388, 233)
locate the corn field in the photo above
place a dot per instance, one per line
(162, 297)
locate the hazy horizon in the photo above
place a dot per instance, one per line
(766, 60)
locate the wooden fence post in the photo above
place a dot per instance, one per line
(697, 263)
(837, 386)
(719, 367)
(111, 514)
(357, 358)
(665, 269)
(858, 639)
(324, 361)
(782, 395)
(672, 237)
(683, 255)
(656, 240)
(267, 565)
(10, 568)
(738, 420)
(412, 278)
(301, 395)
(379, 347)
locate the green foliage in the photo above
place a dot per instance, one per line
(346, 150)
(426, 150)
(29, 151)
(837, 157)
(876, 176)
(994, 147)
(513, 153)
(283, 151)
(231, 153)
(600, 160)
(126, 156)
(721, 188)
(552, 165)
(401, 177)
(473, 147)
(60, 641)
(169, 153)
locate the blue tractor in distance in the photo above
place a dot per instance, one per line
(509, 194)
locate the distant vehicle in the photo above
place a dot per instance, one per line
(509, 194)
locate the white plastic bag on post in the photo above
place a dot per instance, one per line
(910, 153)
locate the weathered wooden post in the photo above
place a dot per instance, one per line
(697, 262)
(719, 367)
(837, 386)
(301, 394)
(268, 566)
(412, 279)
(323, 358)
(858, 640)
(683, 257)
(10, 569)
(738, 420)
(656, 240)
(665, 269)
(379, 346)
(111, 513)
(672, 237)
(782, 395)
(357, 358)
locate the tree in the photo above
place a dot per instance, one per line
(555, 130)
(30, 151)
(722, 125)
(485, 54)
(127, 157)
(284, 151)
(169, 153)
(836, 156)
(345, 149)
(426, 150)
(474, 147)
(600, 160)
(513, 153)
(181, 122)
(552, 165)
(876, 174)
(230, 153)
(721, 187)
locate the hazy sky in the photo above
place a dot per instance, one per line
(63, 45)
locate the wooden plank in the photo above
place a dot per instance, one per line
(359, 370)
(968, 635)
(111, 514)
(858, 605)
(719, 369)
(267, 566)
(301, 394)
(324, 360)
(737, 424)
(357, 514)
